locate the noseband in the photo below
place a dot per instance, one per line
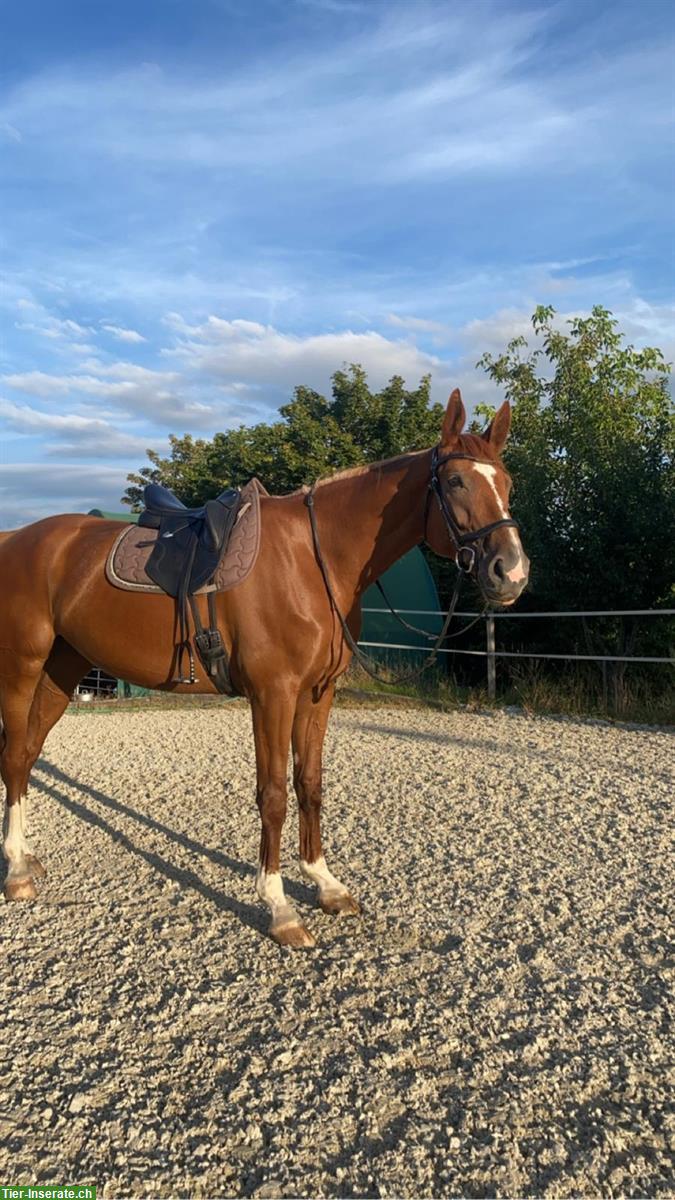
(465, 540)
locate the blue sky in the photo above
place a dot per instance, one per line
(206, 202)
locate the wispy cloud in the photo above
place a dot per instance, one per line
(35, 318)
(32, 490)
(124, 335)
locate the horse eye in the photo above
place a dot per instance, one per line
(455, 481)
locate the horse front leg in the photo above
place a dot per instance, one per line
(272, 722)
(309, 731)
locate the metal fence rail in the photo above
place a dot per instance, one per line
(492, 654)
(96, 684)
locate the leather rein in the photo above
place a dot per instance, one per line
(465, 541)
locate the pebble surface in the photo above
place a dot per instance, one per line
(495, 1024)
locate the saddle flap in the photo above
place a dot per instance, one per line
(219, 517)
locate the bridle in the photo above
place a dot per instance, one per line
(465, 540)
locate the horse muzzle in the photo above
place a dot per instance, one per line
(503, 575)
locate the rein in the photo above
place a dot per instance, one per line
(465, 563)
(415, 628)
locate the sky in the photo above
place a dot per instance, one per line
(204, 203)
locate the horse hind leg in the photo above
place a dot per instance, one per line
(16, 696)
(60, 675)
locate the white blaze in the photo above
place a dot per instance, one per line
(490, 473)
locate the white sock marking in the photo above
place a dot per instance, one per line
(15, 846)
(270, 888)
(318, 873)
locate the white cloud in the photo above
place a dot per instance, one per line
(246, 352)
(26, 418)
(77, 435)
(30, 491)
(160, 396)
(641, 323)
(124, 335)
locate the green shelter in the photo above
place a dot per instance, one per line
(409, 584)
(129, 517)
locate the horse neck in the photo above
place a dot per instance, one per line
(370, 519)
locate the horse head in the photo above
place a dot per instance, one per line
(470, 518)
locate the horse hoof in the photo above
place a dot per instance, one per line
(35, 867)
(20, 889)
(340, 905)
(296, 936)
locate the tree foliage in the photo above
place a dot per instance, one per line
(314, 436)
(591, 447)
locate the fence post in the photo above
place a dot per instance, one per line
(491, 660)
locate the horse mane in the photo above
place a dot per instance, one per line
(364, 468)
(470, 443)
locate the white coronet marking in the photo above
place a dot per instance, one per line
(270, 888)
(490, 473)
(318, 873)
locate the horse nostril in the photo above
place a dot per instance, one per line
(498, 569)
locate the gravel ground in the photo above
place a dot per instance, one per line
(494, 1025)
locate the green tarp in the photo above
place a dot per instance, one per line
(408, 584)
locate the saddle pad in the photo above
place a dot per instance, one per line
(125, 567)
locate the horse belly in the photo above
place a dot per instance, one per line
(130, 635)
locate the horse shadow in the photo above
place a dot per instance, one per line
(254, 916)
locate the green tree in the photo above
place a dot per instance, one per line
(591, 447)
(313, 437)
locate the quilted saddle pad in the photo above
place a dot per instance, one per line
(125, 567)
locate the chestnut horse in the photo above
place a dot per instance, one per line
(59, 615)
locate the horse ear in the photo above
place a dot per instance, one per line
(498, 429)
(453, 421)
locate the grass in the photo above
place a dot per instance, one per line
(643, 698)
